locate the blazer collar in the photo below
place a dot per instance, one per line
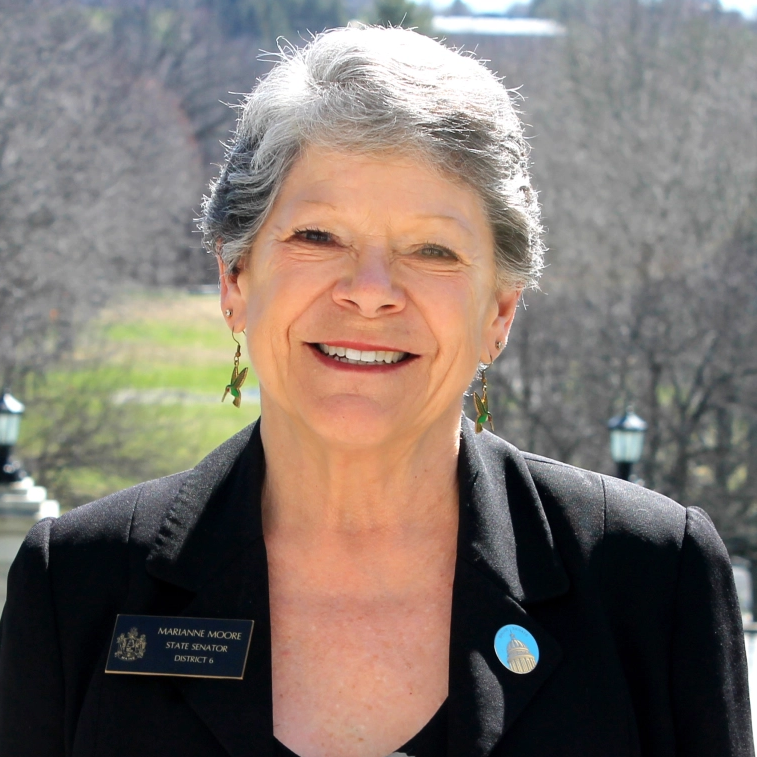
(503, 528)
(210, 543)
(215, 515)
(506, 560)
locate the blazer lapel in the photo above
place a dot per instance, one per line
(506, 560)
(211, 544)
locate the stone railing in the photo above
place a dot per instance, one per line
(22, 504)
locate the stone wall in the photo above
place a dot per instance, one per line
(22, 504)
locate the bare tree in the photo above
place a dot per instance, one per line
(645, 124)
(97, 172)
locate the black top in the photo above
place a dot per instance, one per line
(629, 596)
(430, 741)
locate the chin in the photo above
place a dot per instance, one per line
(355, 422)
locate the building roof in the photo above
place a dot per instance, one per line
(497, 25)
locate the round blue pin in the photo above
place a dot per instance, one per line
(516, 648)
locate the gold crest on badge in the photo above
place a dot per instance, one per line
(131, 646)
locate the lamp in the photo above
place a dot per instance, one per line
(626, 441)
(11, 411)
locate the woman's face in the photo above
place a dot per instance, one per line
(369, 298)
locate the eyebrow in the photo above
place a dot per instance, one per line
(423, 216)
(445, 217)
(323, 203)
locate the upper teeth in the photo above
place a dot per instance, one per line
(348, 355)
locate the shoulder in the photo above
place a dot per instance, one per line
(643, 551)
(97, 535)
(110, 519)
(637, 531)
(128, 520)
(624, 508)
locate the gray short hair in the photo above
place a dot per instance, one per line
(370, 89)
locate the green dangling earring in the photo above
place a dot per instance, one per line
(237, 377)
(482, 405)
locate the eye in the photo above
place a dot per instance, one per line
(314, 235)
(437, 252)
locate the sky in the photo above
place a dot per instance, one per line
(747, 7)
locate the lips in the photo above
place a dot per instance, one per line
(362, 357)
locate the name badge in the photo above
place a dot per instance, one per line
(194, 647)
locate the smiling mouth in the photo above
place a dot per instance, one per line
(362, 357)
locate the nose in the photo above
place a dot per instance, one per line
(369, 287)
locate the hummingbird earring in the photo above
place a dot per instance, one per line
(234, 387)
(482, 405)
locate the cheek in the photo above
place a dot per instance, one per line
(278, 303)
(267, 318)
(453, 311)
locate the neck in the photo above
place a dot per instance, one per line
(404, 486)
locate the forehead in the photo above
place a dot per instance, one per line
(387, 183)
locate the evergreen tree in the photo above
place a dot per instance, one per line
(269, 19)
(458, 8)
(403, 13)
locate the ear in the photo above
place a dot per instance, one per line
(499, 328)
(233, 298)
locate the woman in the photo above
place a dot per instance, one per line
(415, 588)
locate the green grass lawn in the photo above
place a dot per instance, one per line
(142, 398)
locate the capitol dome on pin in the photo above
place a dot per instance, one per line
(519, 658)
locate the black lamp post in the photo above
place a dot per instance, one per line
(626, 441)
(11, 411)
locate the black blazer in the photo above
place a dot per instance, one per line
(629, 596)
